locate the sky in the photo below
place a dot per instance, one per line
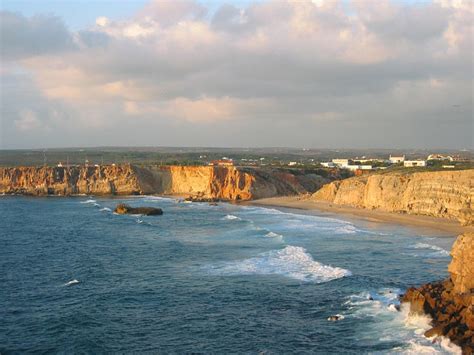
(242, 73)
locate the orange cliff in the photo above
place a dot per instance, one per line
(446, 194)
(217, 182)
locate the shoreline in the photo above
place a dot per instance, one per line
(448, 227)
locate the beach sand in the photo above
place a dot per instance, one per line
(438, 225)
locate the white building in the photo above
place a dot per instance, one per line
(341, 162)
(292, 163)
(357, 167)
(396, 160)
(439, 157)
(413, 163)
(328, 164)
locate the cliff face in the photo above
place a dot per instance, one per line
(450, 303)
(67, 181)
(461, 267)
(446, 194)
(227, 183)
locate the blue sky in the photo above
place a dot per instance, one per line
(79, 14)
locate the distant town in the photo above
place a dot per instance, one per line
(355, 162)
(360, 164)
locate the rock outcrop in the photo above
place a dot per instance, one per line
(122, 208)
(446, 194)
(461, 267)
(200, 182)
(450, 303)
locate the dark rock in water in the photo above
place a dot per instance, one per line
(335, 318)
(434, 332)
(213, 204)
(201, 199)
(123, 208)
(394, 306)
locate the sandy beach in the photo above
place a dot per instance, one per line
(445, 226)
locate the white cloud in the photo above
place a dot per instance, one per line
(28, 120)
(301, 64)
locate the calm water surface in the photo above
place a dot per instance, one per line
(200, 278)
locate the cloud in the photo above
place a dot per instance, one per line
(27, 37)
(295, 72)
(28, 120)
(168, 13)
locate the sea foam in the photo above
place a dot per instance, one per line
(89, 201)
(231, 217)
(71, 283)
(437, 250)
(273, 235)
(292, 261)
(392, 325)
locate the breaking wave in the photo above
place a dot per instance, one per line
(428, 250)
(106, 209)
(436, 248)
(72, 282)
(292, 262)
(394, 323)
(347, 229)
(273, 235)
(231, 217)
(89, 202)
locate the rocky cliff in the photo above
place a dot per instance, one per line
(450, 303)
(105, 180)
(226, 183)
(446, 194)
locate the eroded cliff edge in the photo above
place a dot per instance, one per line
(446, 194)
(450, 303)
(215, 182)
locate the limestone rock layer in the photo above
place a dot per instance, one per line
(226, 183)
(446, 194)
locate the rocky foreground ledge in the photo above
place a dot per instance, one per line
(450, 303)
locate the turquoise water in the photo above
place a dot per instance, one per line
(75, 277)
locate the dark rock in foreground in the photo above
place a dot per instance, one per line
(450, 303)
(122, 208)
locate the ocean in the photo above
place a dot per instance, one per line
(77, 278)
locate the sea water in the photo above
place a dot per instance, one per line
(75, 277)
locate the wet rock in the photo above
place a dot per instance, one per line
(210, 200)
(123, 208)
(434, 332)
(450, 303)
(394, 307)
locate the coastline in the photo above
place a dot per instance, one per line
(447, 227)
(442, 227)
